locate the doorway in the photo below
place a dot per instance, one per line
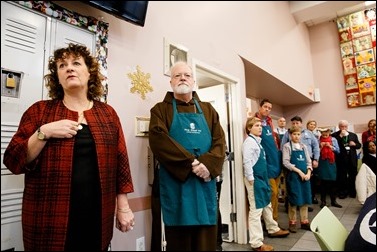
(219, 89)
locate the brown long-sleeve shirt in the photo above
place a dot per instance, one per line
(170, 153)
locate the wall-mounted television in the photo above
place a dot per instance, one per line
(131, 11)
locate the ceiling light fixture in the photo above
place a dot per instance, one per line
(369, 3)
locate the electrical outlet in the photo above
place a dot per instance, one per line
(140, 244)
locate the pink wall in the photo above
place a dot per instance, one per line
(328, 77)
(216, 33)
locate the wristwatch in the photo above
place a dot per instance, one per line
(41, 135)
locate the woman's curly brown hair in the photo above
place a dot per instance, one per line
(55, 89)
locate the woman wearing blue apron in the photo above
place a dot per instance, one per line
(186, 138)
(297, 160)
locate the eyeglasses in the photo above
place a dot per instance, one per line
(186, 75)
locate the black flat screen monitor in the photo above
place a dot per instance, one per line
(131, 11)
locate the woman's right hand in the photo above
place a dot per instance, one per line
(60, 129)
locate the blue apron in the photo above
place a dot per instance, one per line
(326, 170)
(192, 202)
(262, 188)
(280, 135)
(272, 152)
(299, 191)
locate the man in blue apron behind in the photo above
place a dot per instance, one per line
(271, 145)
(187, 139)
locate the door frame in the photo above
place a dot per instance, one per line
(236, 136)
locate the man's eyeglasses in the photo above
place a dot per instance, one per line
(186, 75)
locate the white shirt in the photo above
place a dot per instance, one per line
(280, 131)
(250, 155)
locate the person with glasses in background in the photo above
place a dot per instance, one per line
(346, 160)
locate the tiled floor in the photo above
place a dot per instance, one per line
(304, 240)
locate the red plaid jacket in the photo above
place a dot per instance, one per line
(45, 205)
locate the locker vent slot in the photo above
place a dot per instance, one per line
(20, 35)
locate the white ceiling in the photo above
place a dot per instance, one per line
(316, 12)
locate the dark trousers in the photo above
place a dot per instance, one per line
(346, 176)
(328, 187)
(219, 221)
(314, 182)
(156, 214)
(351, 187)
(191, 238)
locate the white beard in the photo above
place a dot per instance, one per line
(182, 89)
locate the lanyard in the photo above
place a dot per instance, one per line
(345, 139)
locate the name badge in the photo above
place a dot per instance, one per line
(348, 148)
